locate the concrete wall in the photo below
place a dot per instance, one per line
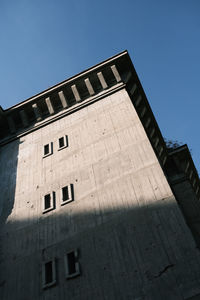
(132, 238)
(189, 205)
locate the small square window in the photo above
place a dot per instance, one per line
(49, 274)
(48, 149)
(48, 202)
(67, 194)
(63, 142)
(72, 266)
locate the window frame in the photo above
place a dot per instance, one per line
(70, 194)
(50, 149)
(46, 285)
(77, 264)
(65, 140)
(52, 202)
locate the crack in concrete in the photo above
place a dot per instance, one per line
(164, 270)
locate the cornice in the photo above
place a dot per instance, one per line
(55, 100)
(67, 81)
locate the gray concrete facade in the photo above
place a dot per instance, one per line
(126, 217)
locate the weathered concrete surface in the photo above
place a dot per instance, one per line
(189, 205)
(131, 235)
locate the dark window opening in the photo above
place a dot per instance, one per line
(71, 263)
(72, 267)
(48, 272)
(46, 149)
(61, 142)
(65, 193)
(47, 201)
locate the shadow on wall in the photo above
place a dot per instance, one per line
(8, 173)
(8, 170)
(125, 253)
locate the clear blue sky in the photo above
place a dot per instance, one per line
(43, 42)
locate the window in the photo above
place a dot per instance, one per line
(49, 274)
(48, 202)
(72, 267)
(67, 194)
(48, 149)
(63, 142)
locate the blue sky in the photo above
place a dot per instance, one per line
(43, 42)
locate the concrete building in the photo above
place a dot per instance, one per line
(93, 204)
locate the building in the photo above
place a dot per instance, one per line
(93, 204)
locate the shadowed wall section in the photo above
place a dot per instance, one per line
(8, 171)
